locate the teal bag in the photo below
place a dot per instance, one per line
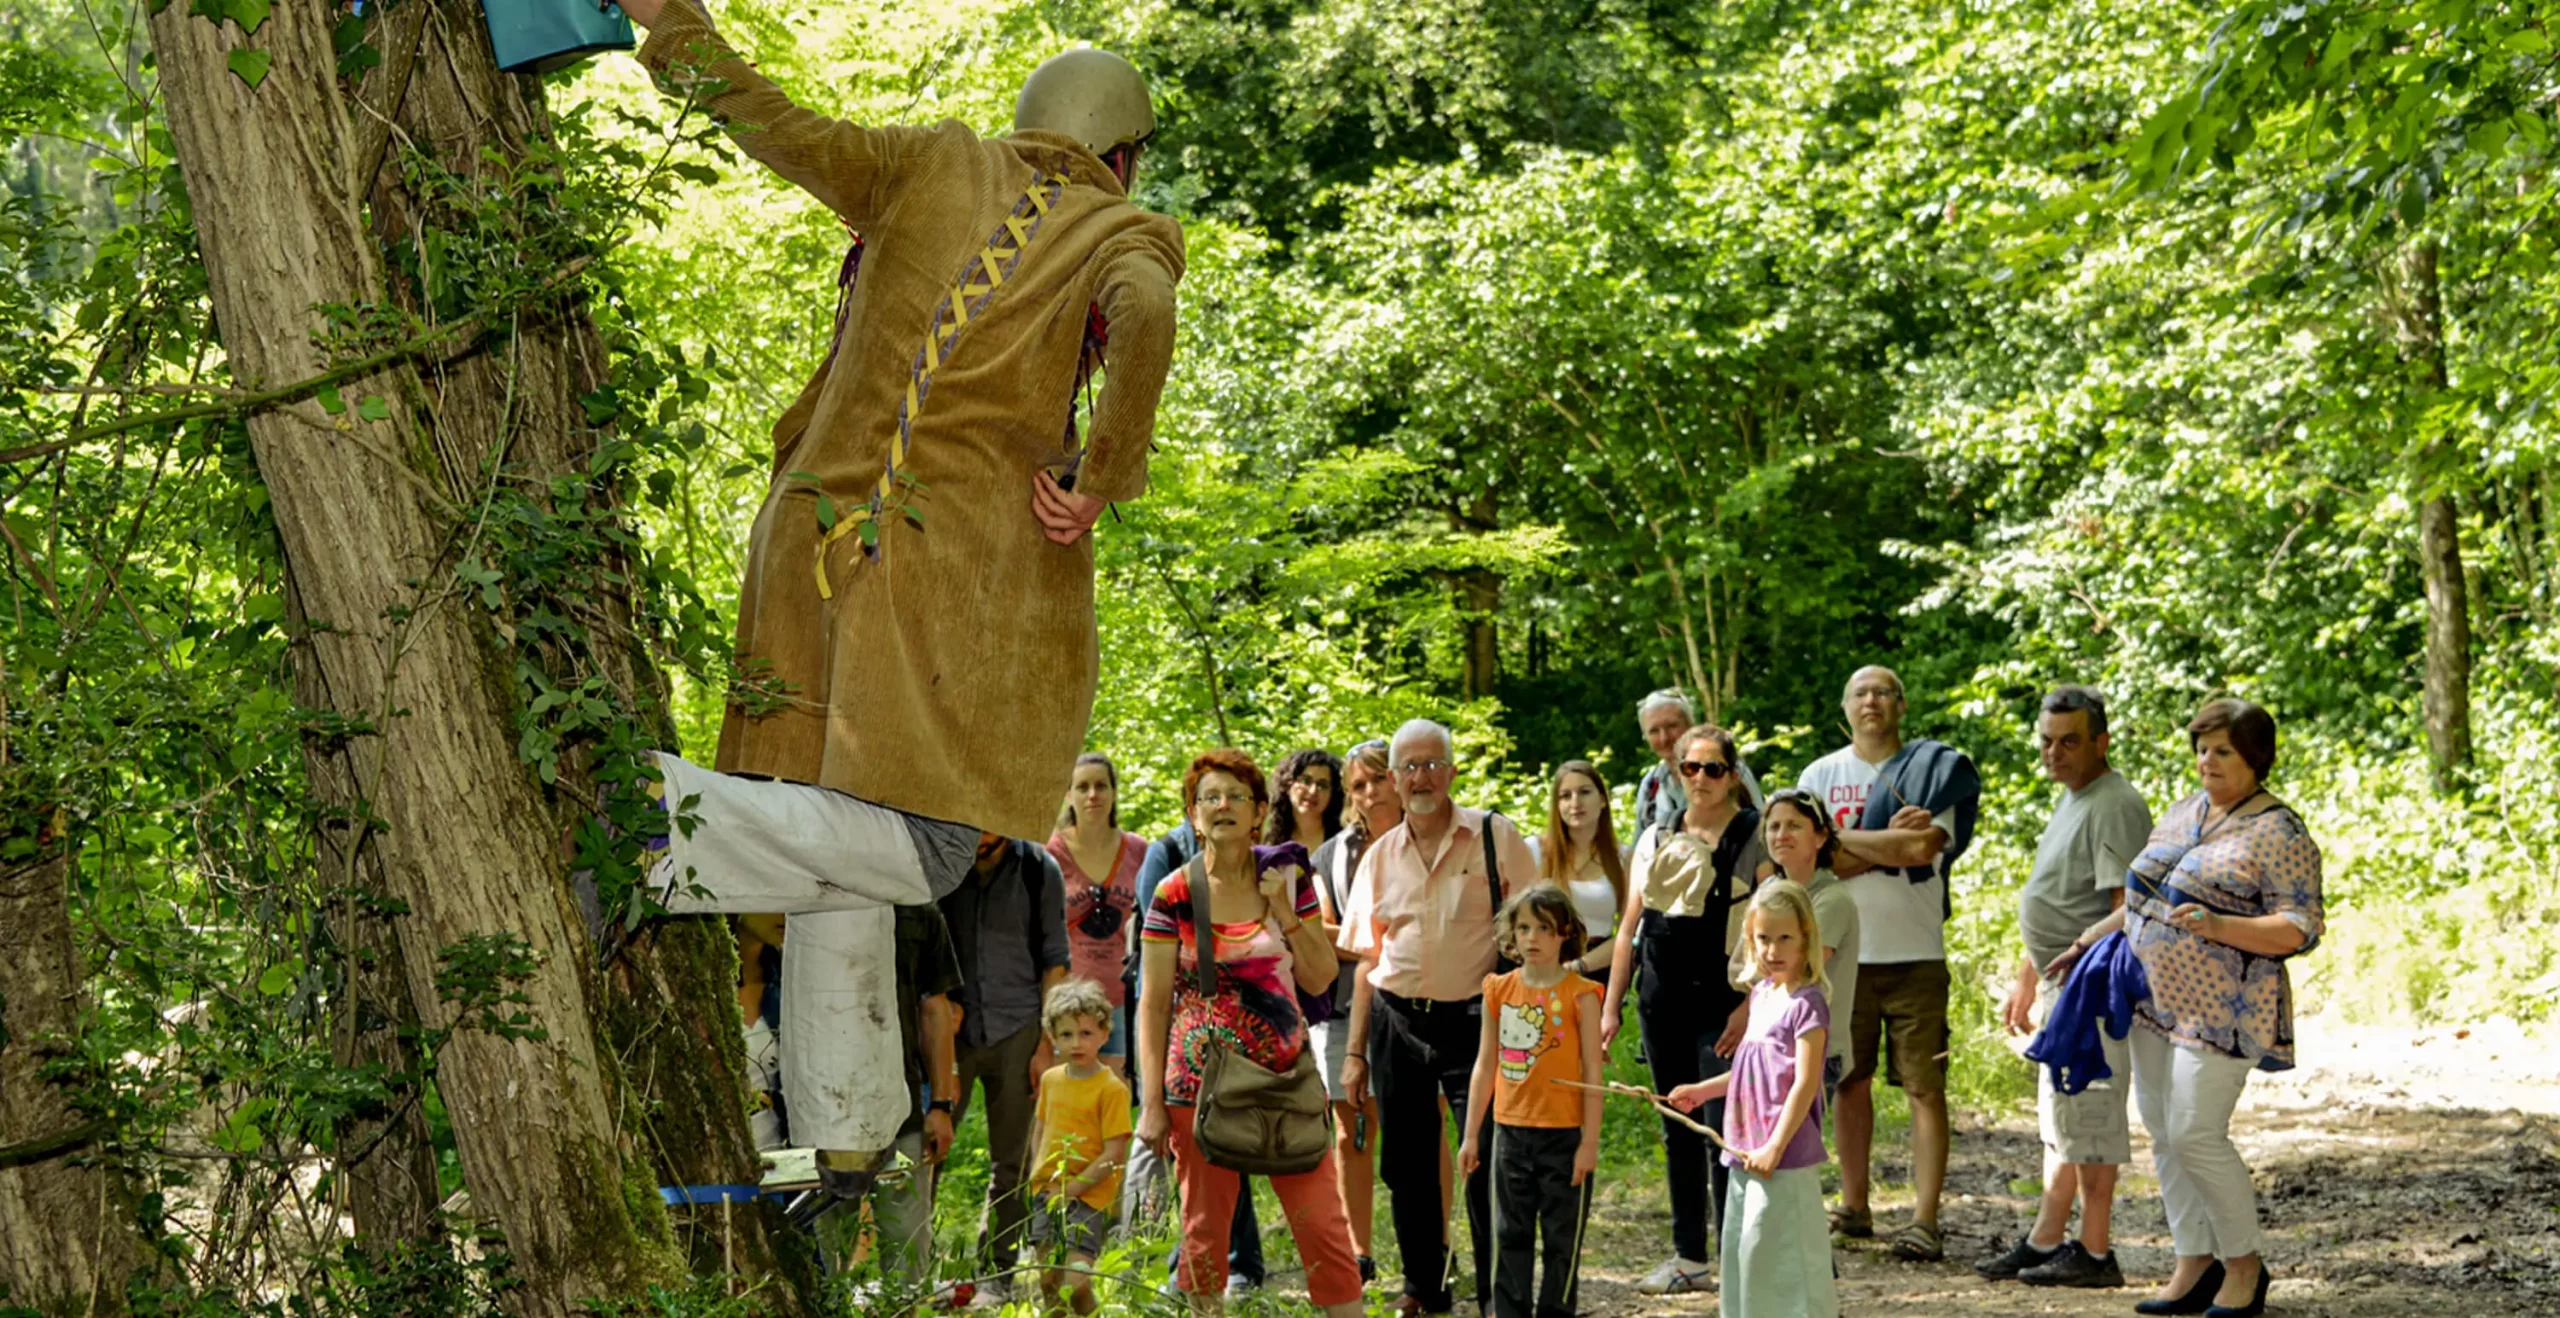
(538, 36)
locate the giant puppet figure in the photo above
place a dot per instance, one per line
(918, 603)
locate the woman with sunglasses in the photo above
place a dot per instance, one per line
(1693, 878)
(1088, 843)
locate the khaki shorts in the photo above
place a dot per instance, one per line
(1070, 1225)
(2088, 1128)
(1902, 1005)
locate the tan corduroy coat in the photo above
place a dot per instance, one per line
(950, 675)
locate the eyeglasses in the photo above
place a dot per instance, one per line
(1414, 767)
(1713, 769)
(1220, 800)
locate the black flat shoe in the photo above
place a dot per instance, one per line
(2198, 1299)
(2257, 1303)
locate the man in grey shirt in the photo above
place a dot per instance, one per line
(1008, 923)
(2097, 829)
(1660, 797)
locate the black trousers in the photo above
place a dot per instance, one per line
(1420, 1052)
(1680, 1033)
(1533, 1196)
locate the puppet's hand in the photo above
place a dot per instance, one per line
(1064, 515)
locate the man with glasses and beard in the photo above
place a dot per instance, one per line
(1421, 917)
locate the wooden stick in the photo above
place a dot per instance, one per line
(1660, 1104)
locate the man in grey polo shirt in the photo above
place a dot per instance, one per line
(2097, 829)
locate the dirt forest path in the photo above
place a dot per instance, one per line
(2401, 1173)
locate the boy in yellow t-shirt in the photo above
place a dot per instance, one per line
(1081, 1128)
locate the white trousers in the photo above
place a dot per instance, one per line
(2186, 1098)
(835, 865)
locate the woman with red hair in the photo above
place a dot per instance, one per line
(1267, 945)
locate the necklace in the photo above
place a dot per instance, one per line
(2207, 826)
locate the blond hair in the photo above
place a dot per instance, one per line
(1072, 1000)
(1788, 898)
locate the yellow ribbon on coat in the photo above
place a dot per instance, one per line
(980, 277)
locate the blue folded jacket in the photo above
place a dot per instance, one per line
(2100, 994)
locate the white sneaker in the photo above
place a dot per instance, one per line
(1678, 1276)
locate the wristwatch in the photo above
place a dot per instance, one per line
(941, 1105)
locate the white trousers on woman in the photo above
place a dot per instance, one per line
(835, 866)
(2186, 1097)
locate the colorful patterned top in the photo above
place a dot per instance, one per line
(1256, 1007)
(2209, 995)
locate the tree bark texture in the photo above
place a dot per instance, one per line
(1479, 600)
(2446, 697)
(666, 1007)
(2448, 650)
(68, 1238)
(468, 841)
(387, 1160)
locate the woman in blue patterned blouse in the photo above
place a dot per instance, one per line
(2227, 889)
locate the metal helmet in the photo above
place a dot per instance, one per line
(1093, 96)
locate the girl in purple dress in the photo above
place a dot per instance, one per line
(1777, 1246)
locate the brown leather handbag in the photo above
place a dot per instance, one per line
(1248, 1117)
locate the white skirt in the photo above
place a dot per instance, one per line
(1777, 1248)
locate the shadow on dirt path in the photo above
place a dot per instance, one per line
(2383, 1197)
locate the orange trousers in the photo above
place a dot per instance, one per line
(1311, 1199)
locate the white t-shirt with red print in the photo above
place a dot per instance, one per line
(1898, 920)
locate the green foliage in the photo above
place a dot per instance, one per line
(477, 978)
(1621, 344)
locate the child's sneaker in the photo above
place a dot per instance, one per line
(1678, 1276)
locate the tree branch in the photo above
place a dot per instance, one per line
(469, 327)
(44, 1147)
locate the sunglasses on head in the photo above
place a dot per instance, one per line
(1713, 769)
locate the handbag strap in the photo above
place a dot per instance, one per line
(1204, 949)
(1492, 872)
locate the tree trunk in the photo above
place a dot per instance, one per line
(70, 1237)
(2447, 693)
(666, 1009)
(468, 842)
(386, 1162)
(1479, 599)
(2448, 652)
